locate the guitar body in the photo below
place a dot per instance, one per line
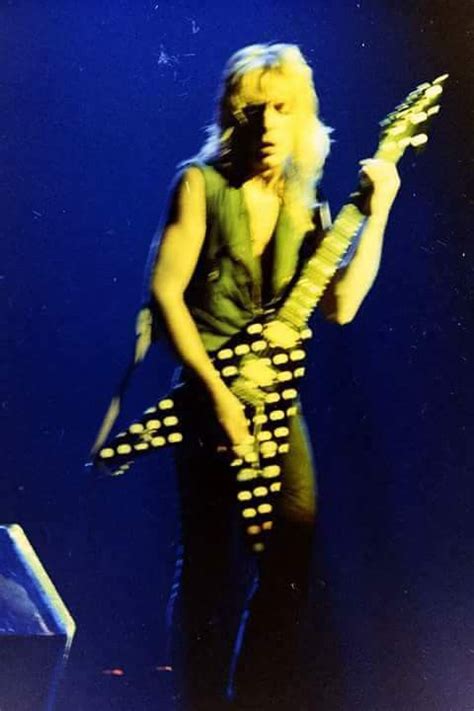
(264, 375)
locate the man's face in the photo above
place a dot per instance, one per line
(269, 120)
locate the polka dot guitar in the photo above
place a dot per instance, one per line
(264, 363)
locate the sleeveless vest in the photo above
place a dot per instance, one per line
(225, 292)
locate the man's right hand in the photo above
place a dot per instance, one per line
(230, 414)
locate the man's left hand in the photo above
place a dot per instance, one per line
(383, 176)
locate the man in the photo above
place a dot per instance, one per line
(264, 113)
(241, 219)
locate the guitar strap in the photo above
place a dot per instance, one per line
(143, 341)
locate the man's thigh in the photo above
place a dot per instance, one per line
(299, 491)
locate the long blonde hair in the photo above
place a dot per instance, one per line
(311, 140)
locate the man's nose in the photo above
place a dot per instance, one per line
(262, 120)
(267, 118)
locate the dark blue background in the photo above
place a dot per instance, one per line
(100, 100)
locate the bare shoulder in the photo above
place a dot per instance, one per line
(183, 235)
(193, 178)
(189, 198)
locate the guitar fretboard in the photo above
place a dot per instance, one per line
(320, 268)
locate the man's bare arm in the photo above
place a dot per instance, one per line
(178, 255)
(348, 290)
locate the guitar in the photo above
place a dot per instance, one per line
(257, 365)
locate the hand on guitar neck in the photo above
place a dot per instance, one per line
(379, 183)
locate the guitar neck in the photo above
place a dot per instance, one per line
(320, 268)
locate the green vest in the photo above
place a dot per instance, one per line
(225, 292)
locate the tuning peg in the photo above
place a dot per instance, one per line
(386, 122)
(419, 117)
(434, 91)
(412, 97)
(419, 140)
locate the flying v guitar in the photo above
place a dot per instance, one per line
(257, 366)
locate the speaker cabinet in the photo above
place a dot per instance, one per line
(36, 630)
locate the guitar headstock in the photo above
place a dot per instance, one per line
(407, 125)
